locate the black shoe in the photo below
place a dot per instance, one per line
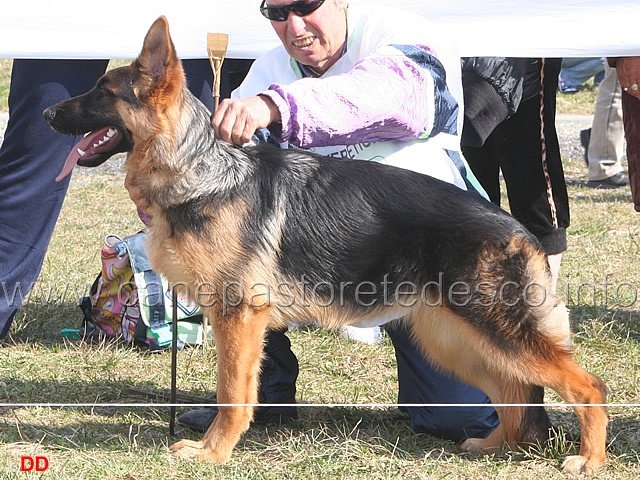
(201, 419)
(614, 181)
(585, 138)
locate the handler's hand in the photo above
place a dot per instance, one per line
(628, 69)
(236, 120)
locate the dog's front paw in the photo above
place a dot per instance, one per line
(577, 464)
(186, 449)
(479, 446)
(191, 449)
(472, 445)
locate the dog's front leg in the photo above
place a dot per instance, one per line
(239, 345)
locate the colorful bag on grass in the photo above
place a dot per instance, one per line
(128, 300)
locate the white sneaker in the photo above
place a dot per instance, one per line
(369, 335)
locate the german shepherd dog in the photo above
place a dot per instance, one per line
(284, 235)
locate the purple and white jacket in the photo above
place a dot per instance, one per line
(393, 97)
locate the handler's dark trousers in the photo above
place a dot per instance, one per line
(419, 383)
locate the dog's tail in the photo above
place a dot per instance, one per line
(541, 331)
(521, 330)
(525, 315)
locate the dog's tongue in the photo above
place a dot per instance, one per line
(91, 144)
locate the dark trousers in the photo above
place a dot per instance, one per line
(32, 155)
(419, 383)
(531, 165)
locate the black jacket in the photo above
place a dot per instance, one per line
(493, 89)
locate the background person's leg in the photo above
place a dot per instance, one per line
(31, 156)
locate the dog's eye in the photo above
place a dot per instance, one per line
(106, 92)
(102, 89)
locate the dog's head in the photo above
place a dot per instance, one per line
(126, 107)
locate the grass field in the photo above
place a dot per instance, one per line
(599, 280)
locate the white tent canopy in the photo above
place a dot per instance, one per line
(115, 29)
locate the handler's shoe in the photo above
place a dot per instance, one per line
(614, 181)
(201, 418)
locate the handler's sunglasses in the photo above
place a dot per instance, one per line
(302, 8)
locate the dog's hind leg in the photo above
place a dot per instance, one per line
(449, 341)
(527, 425)
(495, 441)
(239, 345)
(536, 427)
(509, 431)
(588, 395)
(518, 424)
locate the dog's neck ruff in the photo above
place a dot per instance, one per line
(199, 164)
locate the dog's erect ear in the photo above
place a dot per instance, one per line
(158, 59)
